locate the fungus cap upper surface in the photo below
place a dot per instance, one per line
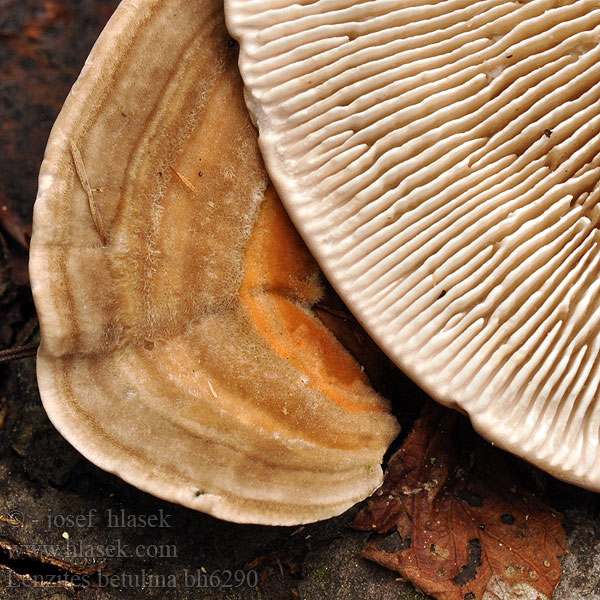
(442, 160)
(178, 346)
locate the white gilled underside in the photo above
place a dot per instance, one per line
(442, 160)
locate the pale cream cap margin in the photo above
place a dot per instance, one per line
(148, 366)
(442, 161)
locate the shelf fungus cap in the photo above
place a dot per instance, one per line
(179, 349)
(442, 161)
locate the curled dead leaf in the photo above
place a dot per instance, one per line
(457, 521)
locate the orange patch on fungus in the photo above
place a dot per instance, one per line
(279, 286)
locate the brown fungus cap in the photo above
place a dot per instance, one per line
(442, 160)
(178, 346)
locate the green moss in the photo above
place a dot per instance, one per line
(322, 576)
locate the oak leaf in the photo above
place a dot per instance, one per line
(459, 523)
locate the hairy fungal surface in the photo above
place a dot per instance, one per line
(442, 160)
(179, 349)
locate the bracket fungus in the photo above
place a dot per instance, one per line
(178, 347)
(442, 160)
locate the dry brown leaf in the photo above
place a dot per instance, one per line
(458, 524)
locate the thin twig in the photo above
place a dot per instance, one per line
(332, 311)
(186, 181)
(80, 170)
(18, 352)
(12, 224)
